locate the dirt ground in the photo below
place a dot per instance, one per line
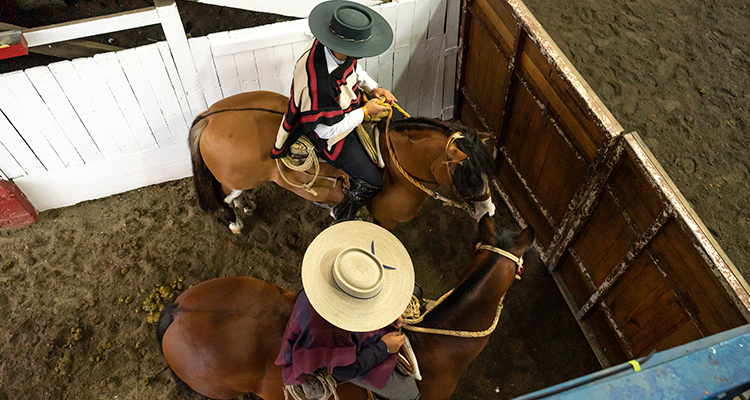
(75, 284)
(677, 73)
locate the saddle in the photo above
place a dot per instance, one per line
(299, 158)
(367, 133)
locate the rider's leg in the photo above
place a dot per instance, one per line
(398, 387)
(364, 177)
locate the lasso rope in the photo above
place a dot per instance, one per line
(310, 161)
(413, 319)
(327, 383)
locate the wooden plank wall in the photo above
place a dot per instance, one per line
(92, 127)
(639, 268)
(552, 134)
(636, 266)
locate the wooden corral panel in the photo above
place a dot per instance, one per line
(639, 269)
(552, 132)
(635, 264)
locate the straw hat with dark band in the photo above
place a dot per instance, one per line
(350, 28)
(358, 276)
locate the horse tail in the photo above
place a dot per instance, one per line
(165, 320)
(207, 188)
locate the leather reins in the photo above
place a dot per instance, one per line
(411, 321)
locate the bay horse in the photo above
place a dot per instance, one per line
(230, 145)
(221, 337)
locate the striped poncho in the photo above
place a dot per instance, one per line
(317, 97)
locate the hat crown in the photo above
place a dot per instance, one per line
(352, 23)
(358, 276)
(358, 273)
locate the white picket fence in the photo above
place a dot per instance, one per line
(84, 129)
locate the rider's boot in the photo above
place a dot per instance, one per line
(357, 196)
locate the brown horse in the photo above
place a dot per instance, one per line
(221, 337)
(231, 145)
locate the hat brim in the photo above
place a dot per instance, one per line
(337, 307)
(380, 40)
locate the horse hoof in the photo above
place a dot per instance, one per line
(249, 208)
(236, 228)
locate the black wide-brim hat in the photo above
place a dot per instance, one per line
(350, 28)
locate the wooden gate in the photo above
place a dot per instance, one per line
(637, 267)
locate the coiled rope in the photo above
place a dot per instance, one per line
(325, 382)
(310, 161)
(414, 318)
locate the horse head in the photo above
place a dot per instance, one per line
(466, 165)
(456, 330)
(448, 162)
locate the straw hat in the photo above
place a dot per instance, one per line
(350, 28)
(358, 276)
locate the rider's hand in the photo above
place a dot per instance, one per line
(373, 108)
(389, 97)
(394, 341)
(398, 323)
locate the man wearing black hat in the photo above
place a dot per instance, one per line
(326, 97)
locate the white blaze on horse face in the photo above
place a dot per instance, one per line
(483, 207)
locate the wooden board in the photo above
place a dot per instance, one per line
(641, 262)
(636, 266)
(51, 134)
(554, 143)
(45, 84)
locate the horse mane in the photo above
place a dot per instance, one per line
(469, 177)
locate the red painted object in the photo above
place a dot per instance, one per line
(15, 209)
(13, 44)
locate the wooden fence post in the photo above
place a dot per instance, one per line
(183, 59)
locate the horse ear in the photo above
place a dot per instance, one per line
(455, 155)
(525, 238)
(485, 137)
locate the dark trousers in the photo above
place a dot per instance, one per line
(398, 387)
(349, 156)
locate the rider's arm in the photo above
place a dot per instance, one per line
(368, 357)
(346, 125)
(364, 80)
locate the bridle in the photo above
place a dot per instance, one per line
(455, 135)
(506, 254)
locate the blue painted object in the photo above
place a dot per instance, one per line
(715, 367)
